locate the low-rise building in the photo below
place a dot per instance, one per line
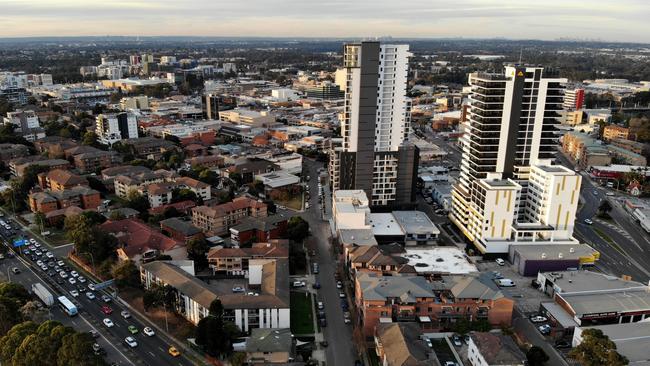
(12, 151)
(138, 241)
(60, 180)
(18, 166)
(180, 230)
(631, 340)
(494, 349)
(611, 132)
(79, 196)
(88, 159)
(247, 117)
(402, 344)
(267, 346)
(235, 261)
(219, 219)
(531, 259)
(259, 229)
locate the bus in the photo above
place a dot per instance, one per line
(67, 306)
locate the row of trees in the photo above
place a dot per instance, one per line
(90, 242)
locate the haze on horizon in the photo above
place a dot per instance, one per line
(620, 20)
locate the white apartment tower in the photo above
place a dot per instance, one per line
(508, 147)
(373, 154)
(111, 128)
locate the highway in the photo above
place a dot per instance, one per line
(150, 350)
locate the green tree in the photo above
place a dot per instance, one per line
(536, 356)
(13, 338)
(297, 229)
(237, 359)
(90, 139)
(77, 350)
(197, 250)
(237, 178)
(185, 194)
(94, 217)
(126, 274)
(15, 291)
(89, 238)
(213, 334)
(604, 208)
(9, 313)
(137, 201)
(597, 349)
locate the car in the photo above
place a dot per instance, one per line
(321, 306)
(131, 342)
(96, 347)
(15, 270)
(339, 284)
(72, 281)
(80, 288)
(59, 281)
(51, 264)
(44, 267)
(544, 329)
(81, 279)
(108, 323)
(466, 338)
(505, 282)
(347, 320)
(497, 275)
(316, 285)
(609, 194)
(49, 255)
(74, 274)
(588, 221)
(562, 344)
(323, 322)
(450, 363)
(74, 293)
(298, 284)
(63, 274)
(132, 329)
(60, 263)
(173, 351)
(456, 340)
(90, 295)
(32, 240)
(37, 245)
(125, 314)
(321, 314)
(39, 263)
(252, 293)
(91, 286)
(51, 273)
(342, 295)
(93, 333)
(107, 310)
(33, 258)
(538, 319)
(105, 298)
(595, 193)
(237, 289)
(149, 332)
(500, 261)
(38, 253)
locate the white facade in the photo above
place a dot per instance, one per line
(27, 119)
(111, 128)
(284, 94)
(350, 209)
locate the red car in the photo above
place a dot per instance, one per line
(107, 310)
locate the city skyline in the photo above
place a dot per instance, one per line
(623, 21)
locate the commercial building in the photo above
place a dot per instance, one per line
(247, 117)
(111, 128)
(326, 90)
(373, 154)
(507, 182)
(529, 259)
(213, 103)
(23, 120)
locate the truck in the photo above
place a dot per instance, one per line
(43, 294)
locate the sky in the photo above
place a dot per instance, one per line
(608, 20)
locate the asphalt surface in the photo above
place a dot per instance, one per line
(151, 351)
(341, 350)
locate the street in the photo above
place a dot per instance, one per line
(150, 350)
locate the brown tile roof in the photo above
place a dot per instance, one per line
(192, 183)
(65, 177)
(238, 203)
(67, 212)
(136, 237)
(180, 206)
(178, 225)
(275, 249)
(498, 349)
(402, 345)
(160, 188)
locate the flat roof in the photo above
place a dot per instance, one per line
(499, 183)
(384, 224)
(609, 302)
(357, 237)
(585, 281)
(556, 311)
(555, 169)
(568, 251)
(415, 222)
(439, 260)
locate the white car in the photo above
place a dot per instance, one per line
(298, 284)
(148, 331)
(63, 274)
(91, 286)
(544, 329)
(60, 263)
(505, 282)
(74, 293)
(588, 222)
(108, 323)
(90, 295)
(49, 255)
(321, 306)
(342, 295)
(72, 281)
(131, 342)
(74, 274)
(32, 240)
(500, 261)
(538, 319)
(81, 279)
(39, 263)
(125, 314)
(37, 245)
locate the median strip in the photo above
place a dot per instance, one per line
(609, 240)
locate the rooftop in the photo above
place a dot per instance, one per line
(618, 302)
(632, 340)
(449, 260)
(357, 237)
(498, 349)
(384, 224)
(407, 288)
(178, 225)
(541, 251)
(269, 340)
(403, 346)
(588, 281)
(415, 222)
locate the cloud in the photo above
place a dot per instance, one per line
(623, 20)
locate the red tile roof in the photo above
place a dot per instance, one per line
(136, 237)
(180, 206)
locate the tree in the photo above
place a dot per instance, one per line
(89, 238)
(15, 291)
(297, 229)
(536, 356)
(77, 350)
(237, 178)
(9, 313)
(597, 349)
(126, 274)
(213, 334)
(90, 139)
(34, 311)
(137, 201)
(13, 338)
(94, 217)
(185, 194)
(604, 208)
(197, 250)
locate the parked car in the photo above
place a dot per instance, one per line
(455, 339)
(105, 298)
(125, 314)
(237, 289)
(339, 284)
(321, 306)
(562, 344)
(108, 323)
(505, 282)
(538, 319)
(500, 262)
(544, 329)
(90, 295)
(298, 284)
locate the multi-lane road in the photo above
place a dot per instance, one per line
(151, 350)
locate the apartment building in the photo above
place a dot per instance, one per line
(510, 129)
(94, 159)
(18, 166)
(436, 305)
(111, 128)
(60, 180)
(402, 344)
(247, 117)
(219, 219)
(611, 132)
(235, 261)
(574, 99)
(148, 147)
(79, 196)
(13, 151)
(136, 180)
(373, 154)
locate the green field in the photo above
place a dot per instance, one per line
(302, 321)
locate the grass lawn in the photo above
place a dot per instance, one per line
(302, 321)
